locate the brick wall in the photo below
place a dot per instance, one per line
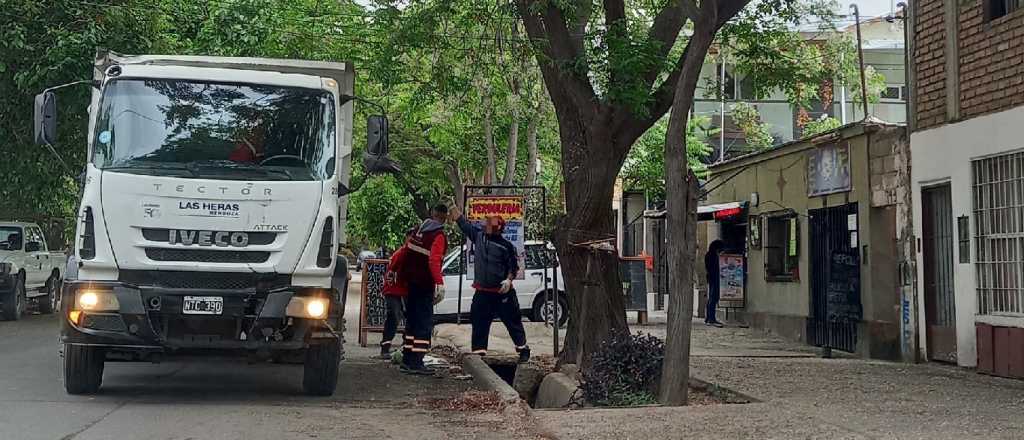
(991, 61)
(929, 64)
(991, 55)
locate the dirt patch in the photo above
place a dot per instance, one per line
(475, 401)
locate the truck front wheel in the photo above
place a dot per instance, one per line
(320, 370)
(14, 303)
(83, 369)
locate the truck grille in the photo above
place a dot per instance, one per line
(112, 323)
(160, 235)
(207, 256)
(205, 280)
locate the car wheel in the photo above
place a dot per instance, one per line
(14, 305)
(320, 370)
(51, 301)
(83, 369)
(544, 312)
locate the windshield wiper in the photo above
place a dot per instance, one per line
(230, 166)
(160, 166)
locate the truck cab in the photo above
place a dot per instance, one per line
(212, 212)
(28, 270)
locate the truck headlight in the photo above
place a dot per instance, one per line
(307, 307)
(97, 301)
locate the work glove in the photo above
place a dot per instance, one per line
(506, 285)
(438, 294)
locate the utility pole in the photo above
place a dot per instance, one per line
(860, 56)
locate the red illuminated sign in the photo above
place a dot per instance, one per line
(726, 213)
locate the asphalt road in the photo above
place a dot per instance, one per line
(219, 400)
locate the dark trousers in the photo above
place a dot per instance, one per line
(488, 305)
(713, 295)
(419, 308)
(395, 306)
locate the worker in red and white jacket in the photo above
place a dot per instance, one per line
(395, 290)
(419, 267)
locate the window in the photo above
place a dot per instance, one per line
(455, 266)
(1000, 8)
(999, 233)
(537, 257)
(894, 92)
(781, 246)
(963, 227)
(729, 88)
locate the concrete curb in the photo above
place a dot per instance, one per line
(485, 378)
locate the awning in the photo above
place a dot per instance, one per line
(708, 212)
(720, 211)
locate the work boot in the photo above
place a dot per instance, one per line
(418, 370)
(385, 351)
(524, 355)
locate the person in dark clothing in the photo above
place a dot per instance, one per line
(420, 268)
(711, 266)
(496, 265)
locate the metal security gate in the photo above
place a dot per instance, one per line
(937, 253)
(835, 278)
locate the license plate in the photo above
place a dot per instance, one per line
(203, 305)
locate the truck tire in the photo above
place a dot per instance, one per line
(49, 303)
(14, 303)
(83, 369)
(320, 370)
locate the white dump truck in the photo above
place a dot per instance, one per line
(28, 270)
(212, 210)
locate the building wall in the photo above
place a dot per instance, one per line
(990, 67)
(929, 54)
(780, 179)
(942, 155)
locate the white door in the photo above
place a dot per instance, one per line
(451, 268)
(36, 258)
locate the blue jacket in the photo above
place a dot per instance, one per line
(495, 257)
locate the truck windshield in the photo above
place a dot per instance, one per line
(215, 130)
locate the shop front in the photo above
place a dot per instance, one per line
(813, 225)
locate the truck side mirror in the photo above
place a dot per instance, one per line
(375, 158)
(45, 118)
(377, 135)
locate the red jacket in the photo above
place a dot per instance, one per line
(418, 261)
(393, 285)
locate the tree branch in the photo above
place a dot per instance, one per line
(562, 49)
(665, 31)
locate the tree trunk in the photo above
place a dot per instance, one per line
(531, 145)
(492, 162)
(512, 152)
(596, 302)
(455, 178)
(681, 224)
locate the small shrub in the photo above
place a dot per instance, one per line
(624, 371)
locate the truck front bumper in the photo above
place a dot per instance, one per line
(150, 321)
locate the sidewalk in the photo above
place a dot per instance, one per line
(803, 396)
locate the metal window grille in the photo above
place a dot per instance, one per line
(999, 236)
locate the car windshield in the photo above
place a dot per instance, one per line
(10, 238)
(215, 130)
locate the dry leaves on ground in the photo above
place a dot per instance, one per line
(476, 401)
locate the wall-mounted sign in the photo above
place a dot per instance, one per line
(731, 276)
(828, 169)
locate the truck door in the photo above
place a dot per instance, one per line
(36, 258)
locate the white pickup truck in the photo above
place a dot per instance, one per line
(28, 270)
